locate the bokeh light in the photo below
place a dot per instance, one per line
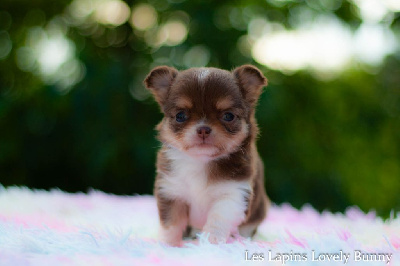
(376, 10)
(112, 12)
(322, 47)
(143, 17)
(325, 46)
(173, 32)
(80, 10)
(107, 12)
(51, 55)
(373, 42)
(197, 56)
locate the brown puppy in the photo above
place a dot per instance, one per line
(209, 173)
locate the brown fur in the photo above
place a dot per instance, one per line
(209, 97)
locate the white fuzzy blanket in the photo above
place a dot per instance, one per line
(57, 228)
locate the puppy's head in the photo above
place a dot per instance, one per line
(208, 112)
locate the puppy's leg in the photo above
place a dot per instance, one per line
(173, 220)
(225, 215)
(258, 205)
(257, 212)
(248, 230)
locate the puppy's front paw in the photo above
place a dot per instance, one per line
(216, 236)
(216, 239)
(170, 236)
(172, 242)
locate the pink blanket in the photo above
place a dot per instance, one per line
(56, 228)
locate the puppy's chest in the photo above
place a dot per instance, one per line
(187, 181)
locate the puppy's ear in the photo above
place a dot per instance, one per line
(251, 81)
(159, 81)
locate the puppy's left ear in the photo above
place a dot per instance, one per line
(251, 81)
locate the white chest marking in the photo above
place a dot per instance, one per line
(188, 182)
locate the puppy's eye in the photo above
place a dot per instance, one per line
(181, 117)
(228, 117)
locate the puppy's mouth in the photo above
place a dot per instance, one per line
(205, 150)
(203, 145)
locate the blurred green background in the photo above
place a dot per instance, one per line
(74, 113)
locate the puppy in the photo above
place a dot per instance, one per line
(209, 173)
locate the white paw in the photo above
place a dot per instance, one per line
(216, 236)
(216, 239)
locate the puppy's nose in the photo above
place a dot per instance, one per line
(203, 132)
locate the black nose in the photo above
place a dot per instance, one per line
(203, 132)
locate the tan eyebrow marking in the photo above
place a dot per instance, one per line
(184, 103)
(224, 103)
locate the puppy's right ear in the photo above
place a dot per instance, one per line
(159, 81)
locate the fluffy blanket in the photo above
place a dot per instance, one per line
(56, 228)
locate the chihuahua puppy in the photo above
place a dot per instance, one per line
(209, 173)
